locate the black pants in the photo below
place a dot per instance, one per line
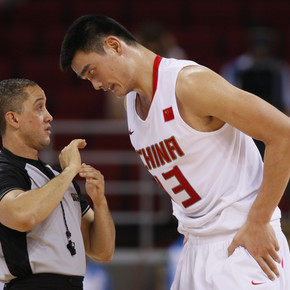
(46, 282)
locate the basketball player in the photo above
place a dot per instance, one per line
(193, 131)
(46, 225)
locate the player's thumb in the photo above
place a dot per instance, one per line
(232, 248)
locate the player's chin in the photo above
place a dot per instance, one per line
(119, 93)
(120, 96)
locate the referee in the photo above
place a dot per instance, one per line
(46, 225)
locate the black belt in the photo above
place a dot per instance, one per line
(46, 281)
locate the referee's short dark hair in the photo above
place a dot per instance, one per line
(12, 95)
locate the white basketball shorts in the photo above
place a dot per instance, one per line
(204, 265)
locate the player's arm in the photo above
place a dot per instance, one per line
(22, 210)
(98, 228)
(211, 98)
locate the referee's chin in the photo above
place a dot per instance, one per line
(43, 144)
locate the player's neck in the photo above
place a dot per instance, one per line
(143, 72)
(143, 104)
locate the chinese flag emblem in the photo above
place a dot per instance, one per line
(168, 114)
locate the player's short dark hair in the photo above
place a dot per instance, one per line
(12, 95)
(88, 33)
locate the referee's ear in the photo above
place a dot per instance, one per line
(11, 119)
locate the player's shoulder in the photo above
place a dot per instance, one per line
(195, 88)
(193, 72)
(192, 80)
(198, 80)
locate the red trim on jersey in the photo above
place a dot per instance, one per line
(157, 61)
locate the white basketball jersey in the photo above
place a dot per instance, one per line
(212, 177)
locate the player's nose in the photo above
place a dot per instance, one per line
(96, 84)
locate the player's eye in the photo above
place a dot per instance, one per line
(91, 72)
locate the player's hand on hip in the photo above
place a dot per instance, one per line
(260, 241)
(70, 155)
(95, 183)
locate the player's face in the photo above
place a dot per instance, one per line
(34, 120)
(106, 72)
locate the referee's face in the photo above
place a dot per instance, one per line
(34, 120)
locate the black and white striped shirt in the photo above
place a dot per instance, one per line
(43, 248)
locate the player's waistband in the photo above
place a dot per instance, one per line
(202, 240)
(222, 237)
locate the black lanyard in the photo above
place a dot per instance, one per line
(70, 245)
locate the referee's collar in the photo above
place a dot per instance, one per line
(12, 155)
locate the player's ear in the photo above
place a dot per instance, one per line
(113, 43)
(12, 119)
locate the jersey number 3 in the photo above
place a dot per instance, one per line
(183, 185)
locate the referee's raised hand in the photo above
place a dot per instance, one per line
(70, 155)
